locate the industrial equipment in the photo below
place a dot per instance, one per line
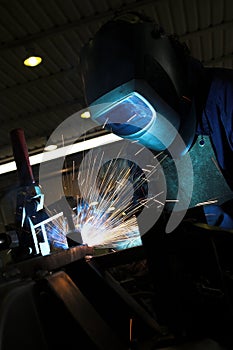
(114, 299)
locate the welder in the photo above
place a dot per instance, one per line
(133, 70)
(132, 67)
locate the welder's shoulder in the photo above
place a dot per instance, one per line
(222, 76)
(221, 90)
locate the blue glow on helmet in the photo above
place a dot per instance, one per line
(134, 111)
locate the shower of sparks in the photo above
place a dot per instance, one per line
(133, 116)
(216, 164)
(73, 170)
(210, 201)
(105, 207)
(141, 149)
(105, 123)
(125, 234)
(106, 213)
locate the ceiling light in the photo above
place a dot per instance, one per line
(50, 148)
(32, 61)
(85, 115)
(63, 151)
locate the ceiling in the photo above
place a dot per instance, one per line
(38, 99)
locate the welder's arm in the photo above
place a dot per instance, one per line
(220, 215)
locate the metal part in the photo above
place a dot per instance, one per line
(138, 309)
(37, 231)
(84, 313)
(30, 199)
(41, 265)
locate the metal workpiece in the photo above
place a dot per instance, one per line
(41, 265)
(99, 332)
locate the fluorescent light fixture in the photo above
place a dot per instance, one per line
(63, 151)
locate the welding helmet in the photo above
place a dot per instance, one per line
(139, 83)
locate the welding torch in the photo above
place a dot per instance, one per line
(30, 199)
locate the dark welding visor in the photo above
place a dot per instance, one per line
(134, 111)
